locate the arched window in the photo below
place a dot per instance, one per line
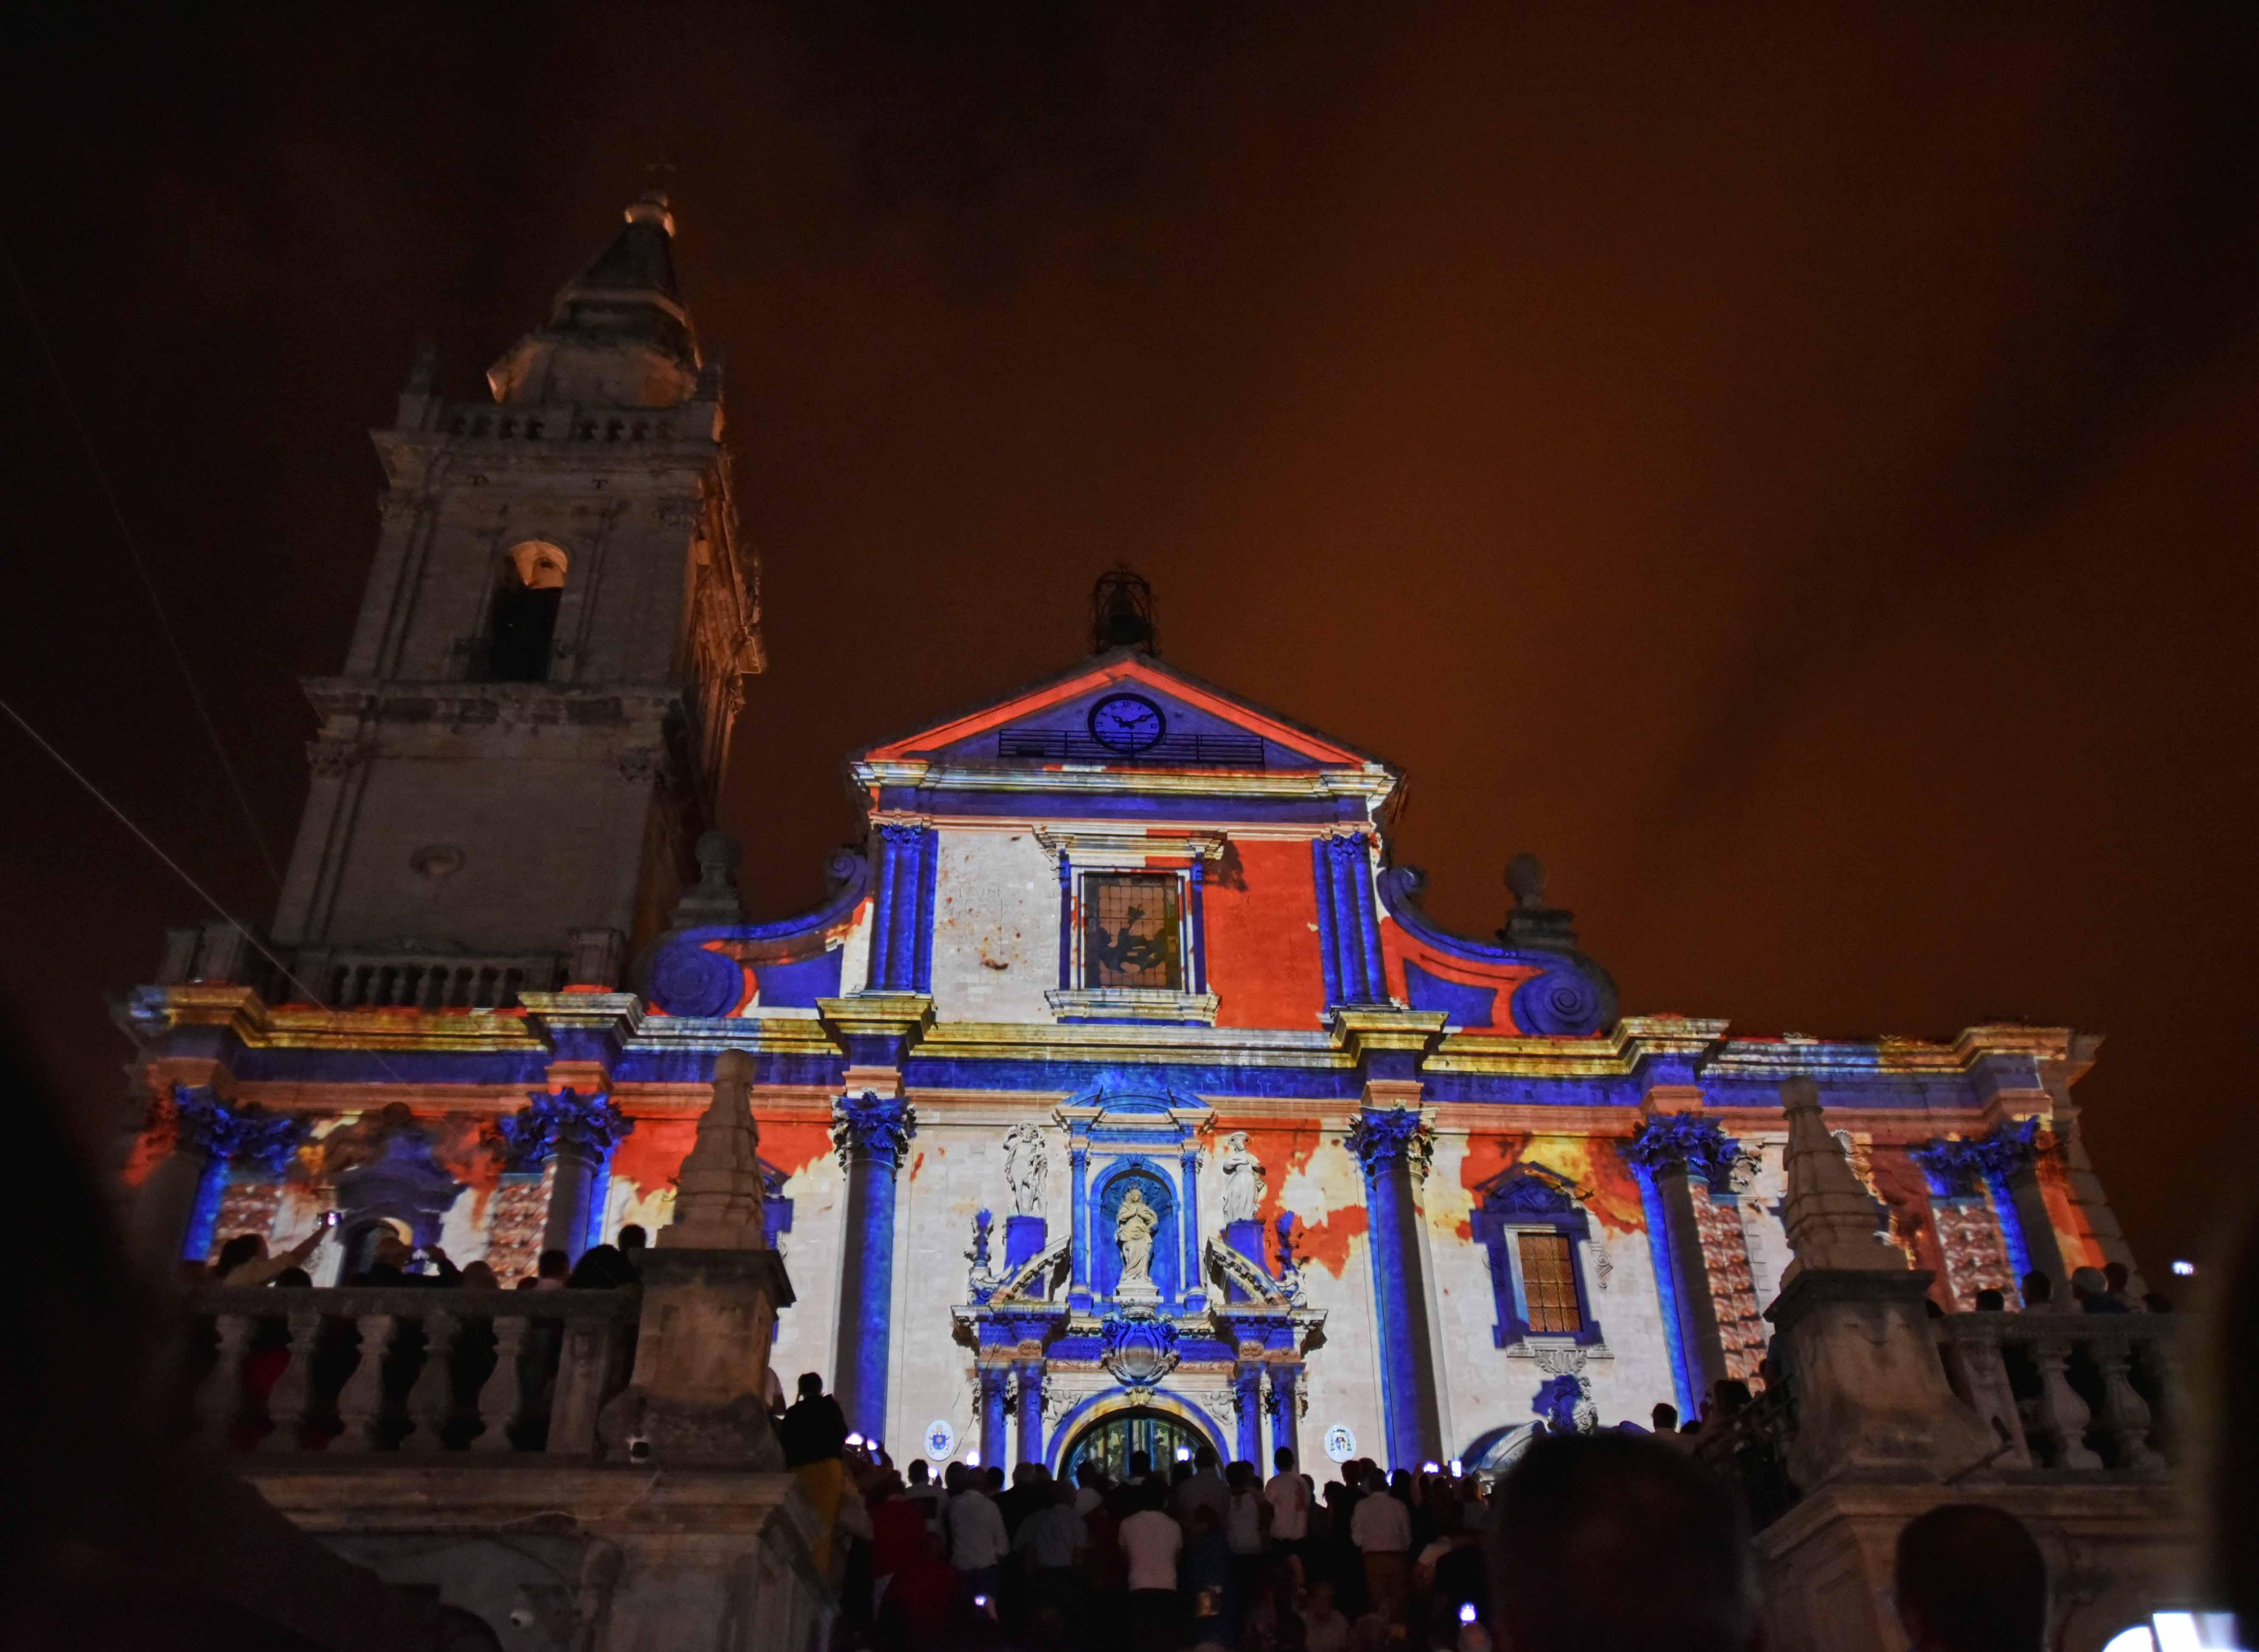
(522, 621)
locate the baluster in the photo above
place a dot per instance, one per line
(2062, 1415)
(2125, 1413)
(1982, 1377)
(2163, 1358)
(293, 1394)
(221, 1400)
(431, 1400)
(579, 1387)
(360, 1405)
(498, 1398)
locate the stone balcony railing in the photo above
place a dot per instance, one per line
(407, 1369)
(435, 980)
(2086, 1396)
(2070, 1391)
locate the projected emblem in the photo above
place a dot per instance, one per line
(1127, 723)
(940, 1440)
(1341, 1444)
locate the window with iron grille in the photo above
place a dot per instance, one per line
(1130, 935)
(1548, 1284)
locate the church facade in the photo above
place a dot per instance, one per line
(1121, 1093)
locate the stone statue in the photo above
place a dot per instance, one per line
(1243, 1178)
(1133, 1231)
(1290, 1269)
(1024, 1167)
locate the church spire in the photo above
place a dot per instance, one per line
(618, 334)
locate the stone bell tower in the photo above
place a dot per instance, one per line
(532, 724)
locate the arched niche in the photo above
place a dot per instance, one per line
(1160, 1193)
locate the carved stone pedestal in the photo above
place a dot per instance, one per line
(1871, 1396)
(702, 1361)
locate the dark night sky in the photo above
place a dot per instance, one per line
(1800, 480)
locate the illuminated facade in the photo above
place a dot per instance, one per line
(1121, 1080)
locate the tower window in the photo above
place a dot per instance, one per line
(1130, 933)
(523, 619)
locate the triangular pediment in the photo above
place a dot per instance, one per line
(1124, 709)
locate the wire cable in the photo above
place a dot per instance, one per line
(140, 567)
(151, 844)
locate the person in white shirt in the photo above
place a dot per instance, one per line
(1151, 1543)
(1287, 1497)
(978, 1542)
(922, 1494)
(1381, 1528)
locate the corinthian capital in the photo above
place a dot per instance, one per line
(1380, 1138)
(875, 1128)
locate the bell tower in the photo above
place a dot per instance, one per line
(533, 718)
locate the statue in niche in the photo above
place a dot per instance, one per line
(1243, 1178)
(1024, 1164)
(1133, 1231)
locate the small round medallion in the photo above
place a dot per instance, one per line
(940, 1440)
(1341, 1444)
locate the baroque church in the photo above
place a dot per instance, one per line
(1120, 1095)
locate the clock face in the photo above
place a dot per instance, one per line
(1127, 723)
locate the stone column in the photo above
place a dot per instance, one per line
(2008, 1155)
(993, 1438)
(2085, 1187)
(1192, 1290)
(870, 1135)
(1669, 1149)
(1247, 1402)
(176, 1213)
(1031, 1410)
(1079, 1269)
(1196, 904)
(579, 1130)
(1394, 1146)
(1285, 1409)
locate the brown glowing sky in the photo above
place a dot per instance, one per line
(1800, 480)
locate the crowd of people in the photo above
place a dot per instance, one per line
(392, 1261)
(1162, 1557)
(1199, 1553)
(1612, 1542)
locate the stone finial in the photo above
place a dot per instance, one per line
(714, 897)
(1831, 1220)
(1529, 921)
(717, 1204)
(1525, 876)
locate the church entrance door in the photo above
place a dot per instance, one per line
(1109, 1441)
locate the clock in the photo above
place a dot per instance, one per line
(1127, 723)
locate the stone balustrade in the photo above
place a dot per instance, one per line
(436, 981)
(414, 1370)
(2071, 1392)
(2095, 1396)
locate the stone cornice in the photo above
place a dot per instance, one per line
(1371, 783)
(256, 1024)
(1735, 1078)
(450, 700)
(1104, 845)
